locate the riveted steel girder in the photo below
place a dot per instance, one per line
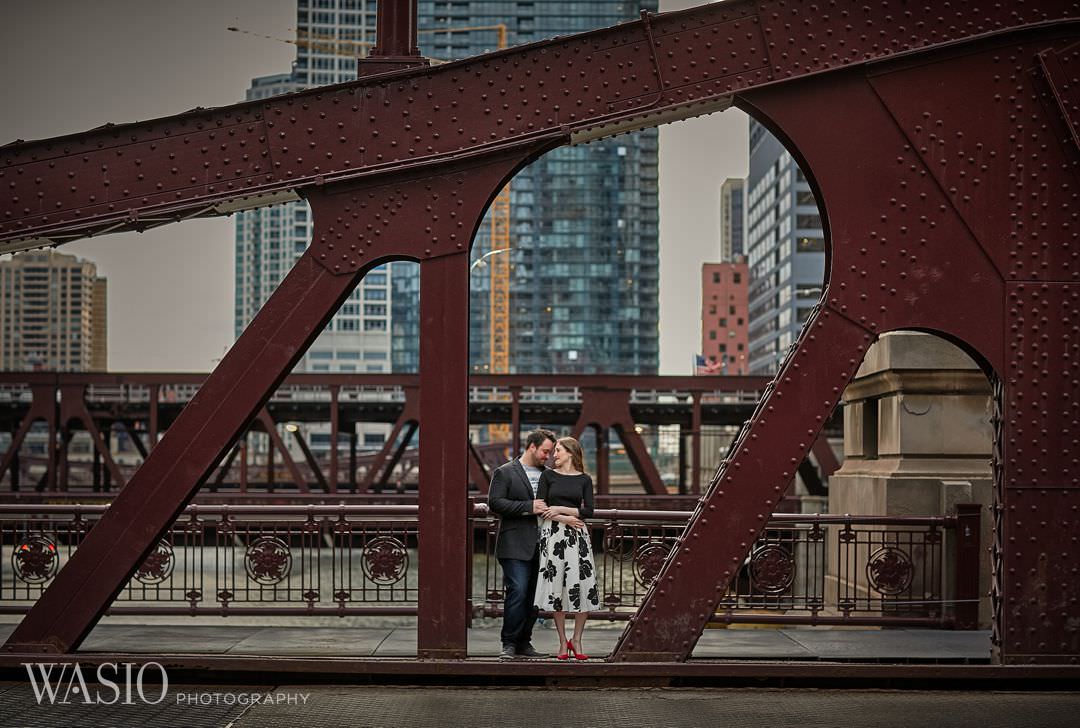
(941, 140)
(949, 185)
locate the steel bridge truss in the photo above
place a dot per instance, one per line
(942, 142)
(145, 405)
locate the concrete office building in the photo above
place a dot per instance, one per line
(785, 250)
(53, 310)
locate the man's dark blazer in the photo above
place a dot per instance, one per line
(511, 496)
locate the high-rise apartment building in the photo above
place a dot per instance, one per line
(724, 305)
(52, 314)
(584, 287)
(732, 219)
(785, 249)
(270, 239)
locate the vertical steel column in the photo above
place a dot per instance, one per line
(395, 29)
(271, 465)
(106, 448)
(683, 435)
(244, 464)
(966, 565)
(51, 452)
(63, 466)
(15, 465)
(95, 471)
(334, 429)
(695, 434)
(603, 462)
(155, 392)
(443, 499)
(515, 421)
(352, 459)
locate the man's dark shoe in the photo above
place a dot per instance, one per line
(508, 652)
(529, 651)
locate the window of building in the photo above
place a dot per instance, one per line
(810, 245)
(712, 336)
(715, 277)
(737, 278)
(723, 322)
(731, 310)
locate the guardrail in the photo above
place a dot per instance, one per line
(361, 560)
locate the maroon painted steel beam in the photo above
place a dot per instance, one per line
(478, 472)
(135, 438)
(695, 431)
(604, 409)
(582, 87)
(177, 467)
(944, 177)
(309, 458)
(379, 470)
(42, 407)
(395, 29)
(355, 228)
(278, 444)
(223, 471)
(443, 501)
(826, 458)
(335, 430)
(926, 228)
(72, 399)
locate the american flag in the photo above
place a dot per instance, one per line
(704, 367)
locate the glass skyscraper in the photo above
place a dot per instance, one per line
(584, 289)
(786, 250)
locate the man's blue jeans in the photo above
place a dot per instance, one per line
(519, 587)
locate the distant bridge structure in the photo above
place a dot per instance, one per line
(942, 141)
(145, 405)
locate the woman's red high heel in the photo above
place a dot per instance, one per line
(574, 652)
(565, 654)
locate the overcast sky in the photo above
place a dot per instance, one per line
(71, 65)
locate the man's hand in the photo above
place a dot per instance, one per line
(539, 506)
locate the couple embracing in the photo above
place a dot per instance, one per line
(544, 546)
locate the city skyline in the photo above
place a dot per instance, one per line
(189, 59)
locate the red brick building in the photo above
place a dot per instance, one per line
(724, 313)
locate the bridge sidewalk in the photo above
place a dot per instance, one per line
(802, 644)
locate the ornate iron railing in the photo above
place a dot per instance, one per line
(361, 559)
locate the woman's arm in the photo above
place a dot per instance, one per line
(586, 510)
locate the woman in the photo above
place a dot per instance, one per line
(567, 581)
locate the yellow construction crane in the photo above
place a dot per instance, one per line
(499, 299)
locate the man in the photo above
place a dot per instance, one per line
(513, 496)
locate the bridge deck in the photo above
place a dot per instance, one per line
(803, 644)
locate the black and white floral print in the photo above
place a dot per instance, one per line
(567, 576)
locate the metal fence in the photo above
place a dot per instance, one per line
(361, 559)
